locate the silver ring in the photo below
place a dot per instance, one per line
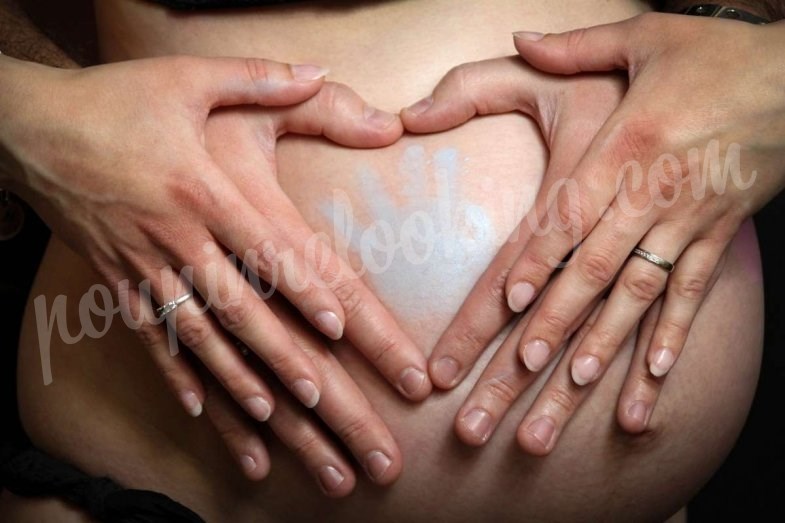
(650, 257)
(169, 307)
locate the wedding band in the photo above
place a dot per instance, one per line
(169, 307)
(650, 257)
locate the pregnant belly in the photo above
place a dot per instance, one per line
(422, 218)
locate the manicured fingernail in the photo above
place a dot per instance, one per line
(639, 412)
(535, 355)
(662, 362)
(192, 404)
(329, 324)
(378, 118)
(307, 72)
(259, 408)
(585, 370)
(330, 478)
(478, 421)
(520, 296)
(248, 463)
(411, 381)
(306, 392)
(531, 36)
(445, 371)
(377, 464)
(421, 106)
(542, 429)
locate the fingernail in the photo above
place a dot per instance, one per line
(330, 478)
(445, 371)
(378, 118)
(192, 404)
(535, 355)
(531, 36)
(542, 429)
(411, 381)
(259, 408)
(639, 412)
(585, 370)
(377, 464)
(662, 362)
(306, 392)
(478, 421)
(520, 296)
(329, 324)
(421, 106)
(308, 73)
(248, 463)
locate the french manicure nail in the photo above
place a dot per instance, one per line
(520, 296)
(329, 324)
(535, 355)
(478, 421)
(542, 429)
(378, 118)
(330, 478)
(411, 381)
(662, 362)
(377, 464)
(192, 404)
(531, 36)
(639, 412)
(585, 370)
(248, 463)
(421, 106)
(259, 408)
(445, 371)
(306, 392)
(307, 72)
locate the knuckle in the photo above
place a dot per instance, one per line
(554, 321)
(634, 139)
(189, 192)
(329, 97)
(502, 388)
(231, 433)
(597, 267)
(385, 347)
(149, 335)
(563, 399)
(257, 70)
(606, 340)
(690, 287)
(234, 315)
(643, 285)
(536, 264)
(193, 331)
(575, 41)
(571, 214)
(467, 339)
(675, 330)
(307, 443)
(268, 255)
(495, 288)
(349, 296)
(355, 429)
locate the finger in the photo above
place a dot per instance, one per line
(556, 402)
(699, 267)
(338, 113)
(195, 329)
(235, 81)
(636, 400)
(178, 374)
(639, 284)
(499, 386)
(600, 48)
(240, 436)
(494, 86)
(367, 323)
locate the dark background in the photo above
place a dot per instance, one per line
(750, 485)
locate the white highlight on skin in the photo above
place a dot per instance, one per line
(424, 242)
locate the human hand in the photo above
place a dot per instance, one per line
(113, 158)
(568, 123)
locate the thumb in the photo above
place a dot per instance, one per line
(600, 48)
(235, 81)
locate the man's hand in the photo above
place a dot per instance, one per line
(113, 158)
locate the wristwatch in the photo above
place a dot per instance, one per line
(721, 11)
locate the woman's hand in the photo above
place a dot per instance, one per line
(113, 157)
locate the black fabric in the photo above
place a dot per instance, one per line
(219, 4)
(31, 473)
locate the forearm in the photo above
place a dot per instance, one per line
(20, 38)
(771, 9)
